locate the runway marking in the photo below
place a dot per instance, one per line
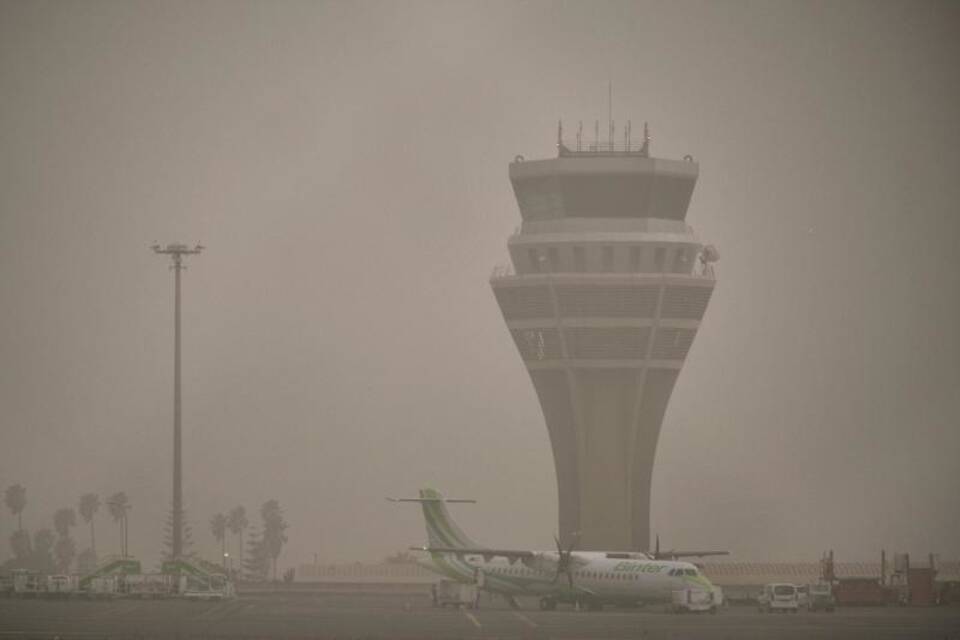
(64, 634)
(222, 610)
(119, 609)
(527, 621)
(473, 619)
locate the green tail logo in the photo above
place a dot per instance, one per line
(442, 531)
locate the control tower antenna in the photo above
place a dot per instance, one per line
(610, 104)
(176, 253)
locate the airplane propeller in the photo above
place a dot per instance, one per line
(564, 561)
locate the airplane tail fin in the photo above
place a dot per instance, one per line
(442, 531)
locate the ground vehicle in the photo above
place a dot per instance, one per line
(61, 585)
(455, 594)
(694, 599)
(26, 584)
(779, 596)
(803, 595)
(820, 597)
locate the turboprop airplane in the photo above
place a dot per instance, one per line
(593, 578)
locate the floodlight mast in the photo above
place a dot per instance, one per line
(176, 253)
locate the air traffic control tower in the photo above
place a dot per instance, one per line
(607, 288)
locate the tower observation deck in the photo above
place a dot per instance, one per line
(604, 297)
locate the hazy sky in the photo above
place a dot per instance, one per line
(346, 166)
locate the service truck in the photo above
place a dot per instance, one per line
(696, 599)
(820, 597)
(779, 596)
(455, 594)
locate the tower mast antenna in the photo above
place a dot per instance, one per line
(610, 111)
(176, 253)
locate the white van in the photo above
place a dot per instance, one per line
(779, 596)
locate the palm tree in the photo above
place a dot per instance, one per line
(65, 549)
(119, 504)
(16, 500)
(218, 526)
(64, 552)
(237, 522)
(20, 543)
(63, 519)
(43, 541)
(274, 527)
(89, 505)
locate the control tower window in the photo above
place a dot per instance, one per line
(659, 257)
(608, 258)
(635, 255)
(579, 259)
(534, 256)
(680, 261)
(553, 258)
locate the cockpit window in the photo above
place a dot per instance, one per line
(690, 572)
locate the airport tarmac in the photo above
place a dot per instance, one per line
(371, 616)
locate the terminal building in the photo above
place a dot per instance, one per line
(606, 290)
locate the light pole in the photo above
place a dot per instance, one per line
(176, 253)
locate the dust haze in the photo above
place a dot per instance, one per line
(346, 166)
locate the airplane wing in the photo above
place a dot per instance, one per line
(675, 555)
(421, 500)
(510, 554)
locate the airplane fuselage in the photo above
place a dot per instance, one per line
(597, 576)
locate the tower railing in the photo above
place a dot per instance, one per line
(598, 148)
(702, 270)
